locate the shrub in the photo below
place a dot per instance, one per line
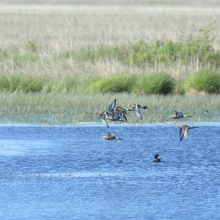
(155, 83)
(121, 82)
(203, 80)
(23, 83)
(186, 50)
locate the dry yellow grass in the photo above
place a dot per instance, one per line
(58, 26)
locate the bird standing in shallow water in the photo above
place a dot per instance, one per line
(136, 109)
(157, 158)
(184, 131)
(111, 136)
(179, 115)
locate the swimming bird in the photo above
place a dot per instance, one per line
(102, 116)
(111, 136)
(179, 115)
(136, 109)
(157, 158)
(184, 130)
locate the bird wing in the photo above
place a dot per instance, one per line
(181, 134)
(123, 116)
(111, 135)
(112, 106)
(186, 132)
(102, 119)
(137, 108)
(179, 114)
(115, 115)
(120, 109)
(137, 113)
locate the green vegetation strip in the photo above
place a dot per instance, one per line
(155, 83)
(75, 108)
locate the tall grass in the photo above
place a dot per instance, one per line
(185, 50)
(65, 41)
(121, 82)
(26, 83)
(155, 83)
(74, 108)
(203, 80)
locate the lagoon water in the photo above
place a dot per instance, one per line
(68, 172)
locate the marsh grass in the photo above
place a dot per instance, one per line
(155, 83)
(73, 108)
(187, 49)
(59, 63)
(83, 41)
(121, 82)
(203, 80)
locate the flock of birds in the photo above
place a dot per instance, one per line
(119, 114)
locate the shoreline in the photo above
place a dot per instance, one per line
(87, 124)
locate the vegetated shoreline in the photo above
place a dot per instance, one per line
(92, 124)
(74, 108)
(59, 66)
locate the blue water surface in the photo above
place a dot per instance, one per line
(69, 172)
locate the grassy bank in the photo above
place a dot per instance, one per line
(72, 108)
(204, 80)
(60, 63)
(140, 56)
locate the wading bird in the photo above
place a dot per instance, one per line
(179, 115)
(184, 131)
(136, 109)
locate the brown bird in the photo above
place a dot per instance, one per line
(102, 116)
(178, 115)
(136, 109)
(184, 130)
(157, 158)
(121, 111)
(116, 116)
(111, 136)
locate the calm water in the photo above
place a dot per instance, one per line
(68, 172)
